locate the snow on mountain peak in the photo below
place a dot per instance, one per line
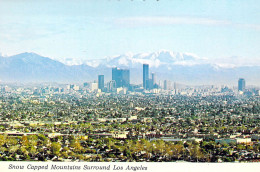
(155, 59)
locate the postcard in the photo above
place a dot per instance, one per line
(129, 85)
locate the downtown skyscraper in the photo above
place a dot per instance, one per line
(145, 76)
(101, 82)
(241, 84)
(121, 77)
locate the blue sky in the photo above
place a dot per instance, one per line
(85, 29)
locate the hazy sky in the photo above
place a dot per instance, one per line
(94, 29)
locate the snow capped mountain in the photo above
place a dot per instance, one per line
(154, 59)
(180, 67)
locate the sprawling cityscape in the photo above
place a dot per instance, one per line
(119, 121)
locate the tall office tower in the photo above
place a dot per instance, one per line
(145, 75)
(111, 86)
(101, 82)
(116, 76)
(241, 84)
(153, 80)
(125, 78)
(150, 84)
(121, 77)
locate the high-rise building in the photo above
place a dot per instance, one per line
(121, 77)
(153, 80)
(114, 74)
(145, 76)
(111, 86)
(241, 84)
(101, 82)
(125, 78)
(150, 84)
(116, 77)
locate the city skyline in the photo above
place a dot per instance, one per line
(78, 31)
(121, 79)
(33, 68)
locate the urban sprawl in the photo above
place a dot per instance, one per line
(151, 122)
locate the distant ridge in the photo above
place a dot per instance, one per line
(180, 67)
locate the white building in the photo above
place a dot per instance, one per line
(94, 86)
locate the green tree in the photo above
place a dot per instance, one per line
(55, 148)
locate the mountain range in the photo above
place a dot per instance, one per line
(184, 68)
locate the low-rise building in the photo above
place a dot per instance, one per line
(120, 135)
